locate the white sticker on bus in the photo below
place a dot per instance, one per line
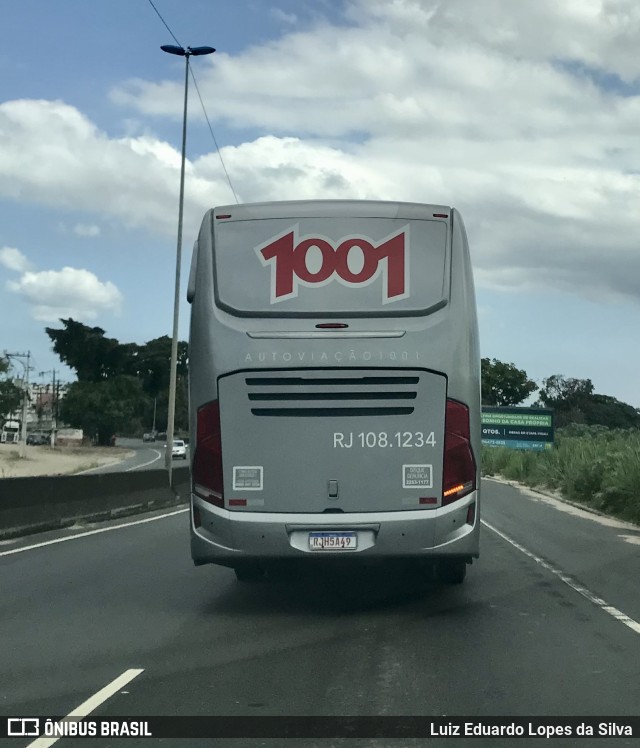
(417, 476)
(247, 477)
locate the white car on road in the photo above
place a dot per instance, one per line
(179, 449)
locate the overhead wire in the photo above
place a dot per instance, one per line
(213, 137)
(206, 116)
(165, 24)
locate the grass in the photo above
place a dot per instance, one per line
(595, 466)
(86, 466)
(13, 456)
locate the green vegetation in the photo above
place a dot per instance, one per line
(10, 393)
(596, 458)
(120, 385)
(504, 384)
(574, 401)
(593, 465)
(102, 409)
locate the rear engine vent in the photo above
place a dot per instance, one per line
(331, 396)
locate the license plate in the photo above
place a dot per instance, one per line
(333, 541)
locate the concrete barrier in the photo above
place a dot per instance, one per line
(29, 505)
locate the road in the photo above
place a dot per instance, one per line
(545, 624)
(147, 456)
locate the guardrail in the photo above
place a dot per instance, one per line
(30, 505)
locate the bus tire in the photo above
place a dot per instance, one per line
(452, 571)
(249, 572)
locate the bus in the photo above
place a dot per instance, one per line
(334, 386)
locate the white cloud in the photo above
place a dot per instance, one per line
(271, 168)
(53, 154)
(13, 259)
(498, 108)
(289, 19)
(70, 292)
(86, 229)
(480, 70)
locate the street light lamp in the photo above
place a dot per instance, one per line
(186, 53)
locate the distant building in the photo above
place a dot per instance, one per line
(42, 411)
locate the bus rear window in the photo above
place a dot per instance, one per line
(320, 266)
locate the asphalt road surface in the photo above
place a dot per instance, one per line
(147, 456)
(546, 623)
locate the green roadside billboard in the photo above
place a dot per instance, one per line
(517, 428)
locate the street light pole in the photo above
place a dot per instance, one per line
(52, 407)
(25, 402)
(186, 53)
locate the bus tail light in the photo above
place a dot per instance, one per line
(207, 460)
(459, 474)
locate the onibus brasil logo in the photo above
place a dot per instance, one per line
(291, 265)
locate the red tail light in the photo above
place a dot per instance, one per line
(459, 476)
(207, 460)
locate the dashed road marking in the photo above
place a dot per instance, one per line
(90, 705)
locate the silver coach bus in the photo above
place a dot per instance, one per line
(334, 383)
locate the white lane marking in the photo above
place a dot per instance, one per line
(634, 539)
(122, 459)
(586, 593)
(90, 705)
(144, 464)
(92, 532)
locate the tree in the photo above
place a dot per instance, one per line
(153, 364)
(504, 384)
(567, 397)
(153, 368)
(565, 393)
(103, 408)
(574, 401)
(86, 350)
(96, 358)
(10, 393)
(608, 411)
(10, 399)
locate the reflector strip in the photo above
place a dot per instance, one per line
(428, 500)
(237, 502)
(471, 514)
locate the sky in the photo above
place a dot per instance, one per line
(524, 116)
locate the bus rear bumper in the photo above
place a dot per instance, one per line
(225, 537)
